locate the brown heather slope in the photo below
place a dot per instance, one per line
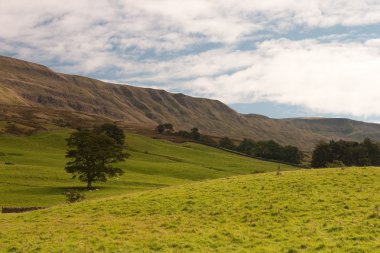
(35, 95)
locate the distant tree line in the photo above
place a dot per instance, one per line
(346, 153)
(270, 150)
(262, 149)
(193, 134)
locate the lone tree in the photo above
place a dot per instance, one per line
(195, 135)
(92, 155)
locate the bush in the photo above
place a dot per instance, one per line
(74, 196)
(335, 164)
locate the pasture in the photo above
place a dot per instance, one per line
(32, 168)
(327, 210)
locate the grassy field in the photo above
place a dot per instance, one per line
(32, 168)
(330, 210)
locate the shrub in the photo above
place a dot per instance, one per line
(74, 196)
(335, 164)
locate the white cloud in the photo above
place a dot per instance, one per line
(324, 77)
(84, 36)
(77, 29)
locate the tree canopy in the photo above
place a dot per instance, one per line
(165, 128)
(227, 143)
(112, 131)
(195, 135)
(271, 150)
(92, 155)
(348, 153)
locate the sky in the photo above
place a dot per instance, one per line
(280, 58)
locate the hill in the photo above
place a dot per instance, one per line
(34, 97)
(330, 210)
(32, 167)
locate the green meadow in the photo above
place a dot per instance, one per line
(327, 210)
(32, 168)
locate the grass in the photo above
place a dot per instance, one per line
(32, 168)
(329, 210)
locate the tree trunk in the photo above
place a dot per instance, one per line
(89, 184)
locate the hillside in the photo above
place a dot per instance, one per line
(32, 167)
(36, 98)
(330, 210)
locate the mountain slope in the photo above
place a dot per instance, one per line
(27, 84)
(37, 96)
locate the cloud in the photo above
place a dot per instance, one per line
(323, 77)
(223, 49)
(76, 29)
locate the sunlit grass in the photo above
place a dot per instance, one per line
(330, 210)
(32, 168)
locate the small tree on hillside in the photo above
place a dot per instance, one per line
(195, 135)
(160, 128)
(246, 146)
(227, 143)
(165, 128)
(92, 155)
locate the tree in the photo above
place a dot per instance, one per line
(184, 134)
(227, 143)
(112, 131)
(165, 128)
(160, 129)
(92, 155)
(373, 151)
(195, 135)
(350, 153)
(246, 146)
(292, 154)
(169, 127)
(360, 156)
(269, 150)
(322, 155)
(208, 141)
